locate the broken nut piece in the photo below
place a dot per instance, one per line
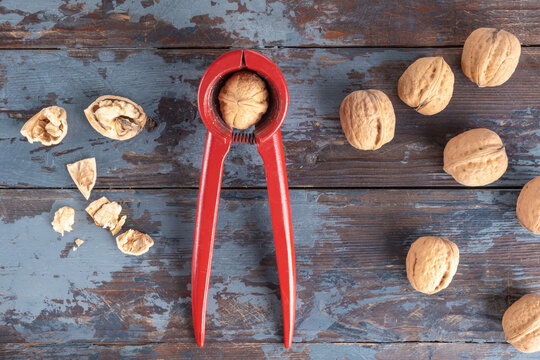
(49, 126)
(64, 218)
(107, 214)
(134, 242)
(84, 175)
(116, 117)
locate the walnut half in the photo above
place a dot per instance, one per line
(116, 117)
(49, 126)
(134, 242)
(84, 175)
(107, 214)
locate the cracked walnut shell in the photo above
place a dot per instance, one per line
(84, 174)
(490, 56)
(427, 85)
(116, 117)
(528, 206)
(64, 218)
(49, 126)
(368, 119)
(107, 214)
(475, 158)
(521, 323)
(134, 242)
(431, 264)
(243, 100)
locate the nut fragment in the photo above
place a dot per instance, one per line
(49, 126)
(475, 158)
(243, 99)
(427, 85)
(84, 174)
(368, 119)
(107, 214)
(521, 324)
(490, 56)
(78, 243)
(432, 263)
(528, 206)
(64, 218)
(134, 242)
(116, 117)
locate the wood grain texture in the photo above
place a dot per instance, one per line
(169, 152)
(323, 351)
(259, 23)
(350, 254)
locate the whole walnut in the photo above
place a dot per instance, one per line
(475, 158)
(368, 119)
(490, 56)
(521, 324)
(528, 206)
(243, 100)
(432, 263)
(427, 85)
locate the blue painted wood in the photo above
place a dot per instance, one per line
(169, 152)
(322, 351)
(350, 251)
(259, 23)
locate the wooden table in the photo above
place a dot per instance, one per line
(355, 213)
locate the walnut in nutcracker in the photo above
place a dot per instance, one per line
(367, 118)
(243, 100)
(432, 263)
(528, 206)
(134, 242)
(49, 126)
(116, 117)
(427, 85)
(490, 56)
(521, 324)
(476, 157)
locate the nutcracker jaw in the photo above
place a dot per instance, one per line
(219, 137)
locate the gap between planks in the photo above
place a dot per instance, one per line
(307, 47)
(142, 343)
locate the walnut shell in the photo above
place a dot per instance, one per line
(521, 323)
(134, 242)
(528, 206)
(490, 56)
(431, 264)
(107, 214)
(243, 100)
(84, 174)
(49, 126)
(116, 117)
(475, 158)
(427, 85)
(368, 119)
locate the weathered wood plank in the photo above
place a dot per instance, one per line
(350, 252)
(169, 152)
(170, 23)
(322, 351)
